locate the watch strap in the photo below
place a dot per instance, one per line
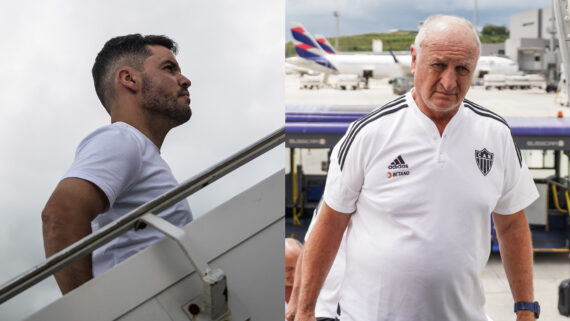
(529, 306)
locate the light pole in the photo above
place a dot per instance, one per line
(476, 18)
(336, 15)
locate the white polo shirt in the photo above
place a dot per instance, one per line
(329, 296)
(420, 233)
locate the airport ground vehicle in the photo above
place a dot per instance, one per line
(544, 142)
(494, 81)
(516, 82)
(347, 81)
(500, 81)
(312, 81)
(401, 85)
(536, 81)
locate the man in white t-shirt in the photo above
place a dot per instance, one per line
(118, 167)
(417, 179)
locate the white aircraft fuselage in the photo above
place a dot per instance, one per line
(377, 66)
(383, 66)
(495, 65)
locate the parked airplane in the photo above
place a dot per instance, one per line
(495, 65)
(311, 55)
(325, 44)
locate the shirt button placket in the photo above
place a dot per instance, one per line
(440, 155)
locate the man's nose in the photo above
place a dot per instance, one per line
(184, 82)
(448, 79)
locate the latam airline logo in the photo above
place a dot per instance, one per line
(401, 168)
(305, 42)
(308, 48)
(484, 160)
(324, 44)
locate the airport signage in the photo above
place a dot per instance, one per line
(545, 142)
(303, 140)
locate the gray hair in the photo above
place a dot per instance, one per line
(431, 21)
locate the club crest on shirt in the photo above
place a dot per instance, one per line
(484, 160)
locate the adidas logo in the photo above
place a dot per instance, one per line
(398, 163)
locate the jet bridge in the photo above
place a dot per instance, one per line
(225, 265)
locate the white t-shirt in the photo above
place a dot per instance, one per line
(329, 297)
(127, 167)
(419, 237)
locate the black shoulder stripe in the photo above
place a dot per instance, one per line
(518, 152)
(356, 125)
(478, 112)
(342, 156)
(487, 113)
(484, 112)
(363, 119)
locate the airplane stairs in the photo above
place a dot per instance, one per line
(225, 265)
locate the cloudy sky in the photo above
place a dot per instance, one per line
(232, 51)
(364, 16)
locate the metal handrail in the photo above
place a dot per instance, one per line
(92, 241)
(567, 201)
(555, 195)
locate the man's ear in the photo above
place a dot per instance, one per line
(414, 55)
(128, 78)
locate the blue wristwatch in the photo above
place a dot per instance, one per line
(530, 306)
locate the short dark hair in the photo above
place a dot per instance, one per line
(130, 50)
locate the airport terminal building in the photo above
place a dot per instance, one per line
(533, 41)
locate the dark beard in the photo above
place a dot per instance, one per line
(161, 104)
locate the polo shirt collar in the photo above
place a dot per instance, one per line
(428, 124)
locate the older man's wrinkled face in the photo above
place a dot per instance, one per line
(443, 71)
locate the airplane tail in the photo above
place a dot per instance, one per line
(394, 56)
(325, 44)
(405, 67)
(308, 48)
